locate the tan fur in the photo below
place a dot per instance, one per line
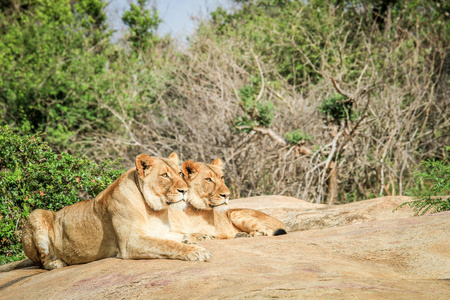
(119, 222)
(207, 215)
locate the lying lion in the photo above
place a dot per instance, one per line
(129, 220)
(207, 215)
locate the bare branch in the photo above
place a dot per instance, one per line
(261, 91)
(361, 76)
(363, 116)
(341, 91)
(127, 128)
(271, 134)
(333, 148)
(265, 131)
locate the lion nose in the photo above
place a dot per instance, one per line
(182, 191)
(225, 196)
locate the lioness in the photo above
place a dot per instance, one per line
(129, 220)
(207, 215)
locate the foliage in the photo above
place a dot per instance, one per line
(61, 75)
(244, 123)
(302, 38)
(296, 136)
(50, 53)
(32, 176)
(435, 175)
(337, 108)
(257, 113)
(291, 33)
(143, 24)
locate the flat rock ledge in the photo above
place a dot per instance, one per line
(360, 250)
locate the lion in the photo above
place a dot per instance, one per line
(207, 215)
(128, 220)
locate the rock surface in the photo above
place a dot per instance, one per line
(357, 250)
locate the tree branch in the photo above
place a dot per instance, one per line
(271, 134)
(266, 131)
(341, 91)
(261, 91)
(127, 127)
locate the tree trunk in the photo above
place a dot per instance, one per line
(332, 183)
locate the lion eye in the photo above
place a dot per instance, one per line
(165, 175)
(181, 174)
(208, 180)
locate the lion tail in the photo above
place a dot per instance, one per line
(279, 231)
(18, 265)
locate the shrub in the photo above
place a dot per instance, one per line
(257, 113)
(50, 53)
(435, 175)
(296, 136)
(336, 109)
(61, 75)
(32, 176)
(143, 24)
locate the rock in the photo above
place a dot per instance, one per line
(357, 250)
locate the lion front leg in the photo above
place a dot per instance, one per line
(174, 236)
(146, 247)
(180, 237)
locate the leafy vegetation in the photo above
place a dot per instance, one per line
(296, 136)
(143, 24)
(336, 109)
(257, 112)
(57, 67)
(32, 176)
(51, 52)
(435, 176)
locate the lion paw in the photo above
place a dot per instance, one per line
(242, 234)
(201, 236)
(189, 239)
(258, 233)
(54, 264)
(197, 253)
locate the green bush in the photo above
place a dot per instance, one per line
(436, 177)
(33, 176)
(143, 24)
(296, 136)
(50, 53)
(244, 123)
(336, 109)
(61, 75)
(259, 113)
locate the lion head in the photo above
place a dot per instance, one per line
(207, 189)
(160, 181)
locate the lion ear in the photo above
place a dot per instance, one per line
(143, 162)
(217, 162)
(174, 157)
(190, 169)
